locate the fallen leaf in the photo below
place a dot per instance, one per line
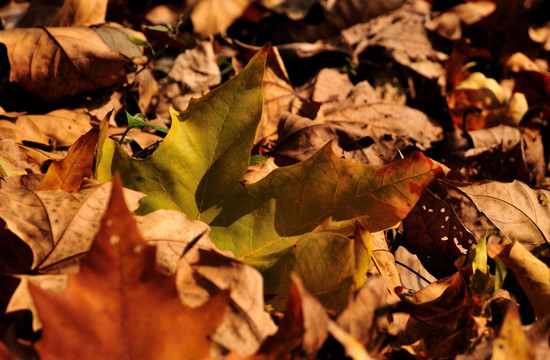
(58, 128)
(212, 17)
(80, 13)
(125, 306)
(441, 316)
(412, 273)
(276, 213)
(56, 63)
(68, 174)
(332, 17)
(197, 69)
(511, 342)
(395, 32)
(515, 209)
(304, 325)
(435, 234)
(531, 273)
(361, 118)
(203, 274)
(449, 24)
(57, 226)
(472, 101)
(384, 262)
(361, 318)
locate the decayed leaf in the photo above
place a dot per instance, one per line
(436, 235)
(396, 31)
(441, 316)
(267, 223)
(516, 210)
(68, 174)
(57, 128)
(532, 274)
(203, 274)
(361, 117)
(58, 226)
(197, 69)
(119, 306)
(512, 342)
(305, 324)
(279, 95)
(55, 63)
(360, 318)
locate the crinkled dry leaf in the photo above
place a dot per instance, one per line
(68, 174)
(119, 305)
(58, 226)
(441, 316)
(366, 129)
(362, 321)
(516, 210)
(203, 274)
(212, 17)
(80, 13)
(197, 69)
(511, 342)
(436, 235)
(58, 128)
(396, 32)
(449, 24)
(532, 274)
(198, 167)
(56, 63)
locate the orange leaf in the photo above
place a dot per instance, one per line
(120, 305)
(67, 174)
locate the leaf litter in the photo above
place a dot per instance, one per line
(286, 213)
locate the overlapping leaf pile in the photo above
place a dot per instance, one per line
(277, 217)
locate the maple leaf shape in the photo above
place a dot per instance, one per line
(120, 306)
(269, 224)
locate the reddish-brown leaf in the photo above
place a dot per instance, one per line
(67, 174)
(120, 305)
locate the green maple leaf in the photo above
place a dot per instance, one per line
(297, 218)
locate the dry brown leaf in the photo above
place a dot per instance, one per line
(58, 226)
(58, 128)
(413, 275)
(80, 13)
(511, 342)
(331, 85)
(441, 316)
(68, 174)
(147, 88)
(333, 16)
(279, 95)
(360, 118)
(436, 235)
(23, 158)
(305, 324)
(360, 318)
(55, 63)
(212, 17)
(384, 264)
(532, 274)
(119, 305)
(396, 32)
(517, 210)
(197, 69)
(449, 24)
(204, 273)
